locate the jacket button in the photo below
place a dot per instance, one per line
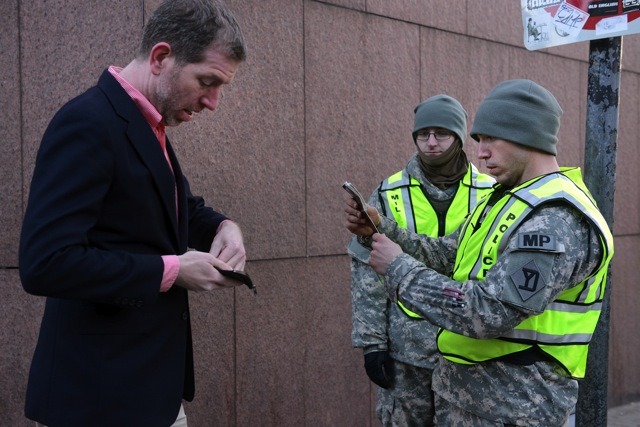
(185, 315)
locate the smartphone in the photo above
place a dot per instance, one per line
(355, 194)
(240, 276)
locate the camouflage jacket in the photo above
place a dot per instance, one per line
(377, 323)
(538, 394)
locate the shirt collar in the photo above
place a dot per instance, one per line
(153, 117)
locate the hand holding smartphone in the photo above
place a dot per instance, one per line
(355, 194)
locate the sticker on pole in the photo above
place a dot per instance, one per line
(548, 23)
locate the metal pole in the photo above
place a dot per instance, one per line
(600, 177)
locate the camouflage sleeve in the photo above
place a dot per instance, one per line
(436, 253)
(368, 301)
(368, 296)
(489, 308)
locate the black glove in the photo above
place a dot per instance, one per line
(378, 367)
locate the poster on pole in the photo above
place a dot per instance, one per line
(550, 23)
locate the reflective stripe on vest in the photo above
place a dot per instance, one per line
(404, 199)
(565, 328)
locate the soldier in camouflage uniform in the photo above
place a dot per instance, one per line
(517, 289)
(432, 196)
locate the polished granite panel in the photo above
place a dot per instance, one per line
(11, 131)
(443, 14)
(295, 363)
(630, 49)
(58, 64)
(362, 83)
(623, 337)
(247, 158)
(350, 4)
(578, 51)
(444, 64)
(496, 20)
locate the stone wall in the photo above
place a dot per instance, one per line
(326, 95)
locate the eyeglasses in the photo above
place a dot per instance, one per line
(440, 135)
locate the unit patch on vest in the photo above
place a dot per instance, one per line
(528, 280)
(539, 242)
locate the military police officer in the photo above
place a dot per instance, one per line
(432, 195)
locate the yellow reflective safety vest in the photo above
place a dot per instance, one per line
(563, 331)
(403, 198)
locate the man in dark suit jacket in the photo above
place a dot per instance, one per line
(108, 225)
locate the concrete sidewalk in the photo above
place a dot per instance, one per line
(624, 416)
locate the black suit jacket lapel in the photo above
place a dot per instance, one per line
(183, 211)
(145, 142)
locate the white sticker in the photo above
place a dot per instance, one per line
(612, 25)
(569, 20)
(537, 29)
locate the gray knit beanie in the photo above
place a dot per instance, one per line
(520, 111)
(441, 111)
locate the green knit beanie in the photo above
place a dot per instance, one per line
(520, 111)
(441, 111)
